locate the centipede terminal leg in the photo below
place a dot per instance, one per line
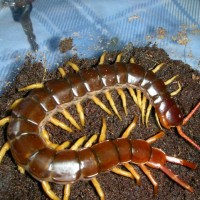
(174, 177)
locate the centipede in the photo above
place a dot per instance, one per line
(48, 162)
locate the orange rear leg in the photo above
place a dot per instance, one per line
(186, 119)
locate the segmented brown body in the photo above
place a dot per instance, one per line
(29, 117)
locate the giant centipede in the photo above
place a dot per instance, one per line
(48, 164)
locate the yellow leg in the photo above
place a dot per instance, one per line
(157, 119)
(98, 188)
(45, 136)
(122, 172)
(119, 57)
(123, 98)
(101, 105)
(139, 98)
(132, 60)
(158, 67)
(130, 128)
(103, 131)
(156, 137)
(91, 141)
(63, 146)
(170, 80)
(21, 169)
(60, 124)
(69, 117)
(67, 189)
(46, 187)
(148, 114)
(79, 109)
(4, 121)
(177, 91)
(15, 103)
(3, 150)
(112, 103)
(143, 107)
(133, 95)
(73, 65)
(133, 172)
(102, 58)
(62, 72)
(78, 143)
(31, 87)
(151, 178)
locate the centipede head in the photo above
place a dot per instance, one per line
(173, 117)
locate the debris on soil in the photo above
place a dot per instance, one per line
(65, 45)
(133, 17)
(161, 33)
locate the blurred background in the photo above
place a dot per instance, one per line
(38, 26)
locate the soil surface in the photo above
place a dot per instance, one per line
(17, 186)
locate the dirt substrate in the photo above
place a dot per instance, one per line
(16, 186)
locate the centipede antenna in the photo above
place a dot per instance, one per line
(176, 178)
(79, 109)
(133, 172)
(148, 114)
(170, 80)
(60, 124)
(123, 98)
(98, 188)
(62, 72)
(31, 87)
(112, 104)
(69, 117)
(157, 68)
(73, 66)
(182, 134)
(78, 143)
(102, 58)
(67, 189)
(181, 162)
(186, 119)
(156, 137)
(122, 172)
(3, 150)
(46, 187)
(101, 105)
(176, 91)
(130, 128)
(4, 121)
(15, 103)
(119, 57)
(133, 95)
(102, 136)
(151, 178)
